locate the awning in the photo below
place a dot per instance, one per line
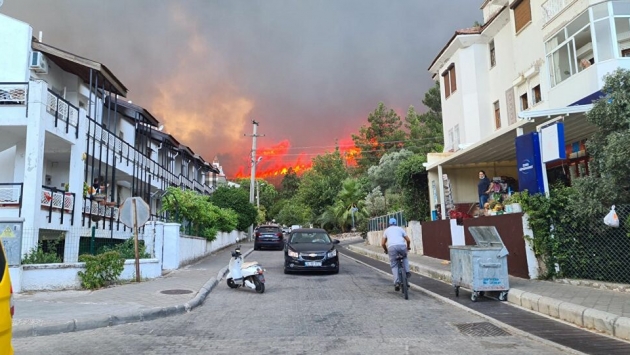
(80, 67)
(500, 147)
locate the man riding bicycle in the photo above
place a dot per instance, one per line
(396, 242)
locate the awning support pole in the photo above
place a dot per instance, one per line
(441, 185)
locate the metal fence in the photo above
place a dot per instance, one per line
(55, 246)
(382, 222)
(590, 250)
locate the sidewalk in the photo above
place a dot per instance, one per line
(603, 311)
(44, 313)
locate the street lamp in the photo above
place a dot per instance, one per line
(258, 193)
(353, 210)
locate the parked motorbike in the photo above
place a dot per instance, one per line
(241, 274)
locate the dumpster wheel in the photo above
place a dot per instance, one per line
(474, 296)
(503, 296)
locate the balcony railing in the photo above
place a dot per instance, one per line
(11, 195)
(64, 111)
(551, 8)
(14, 94)
(126, 153)
(185, 182)
(198, 186)
(58, 200)
(98, 210)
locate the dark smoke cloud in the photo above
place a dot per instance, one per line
(308, 71)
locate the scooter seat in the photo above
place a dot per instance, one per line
(249, 264)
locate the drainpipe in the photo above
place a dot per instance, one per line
(441, 185)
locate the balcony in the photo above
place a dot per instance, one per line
(14, 94)
(11, 196)
(63, 111)
(58, 201)
(551, 9)
(107, 147)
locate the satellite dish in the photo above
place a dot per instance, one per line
(1, 1)
(160, 128)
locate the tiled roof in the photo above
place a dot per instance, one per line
(467, 31)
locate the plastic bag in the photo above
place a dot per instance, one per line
(611, 218)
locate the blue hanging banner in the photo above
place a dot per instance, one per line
(528, 163)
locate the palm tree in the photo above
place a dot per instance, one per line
(339, 215)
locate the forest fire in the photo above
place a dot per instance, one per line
(279, 158)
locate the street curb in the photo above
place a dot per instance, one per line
(505, 326)
(76, 325)
(588, 318)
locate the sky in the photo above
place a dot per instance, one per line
(309, 71)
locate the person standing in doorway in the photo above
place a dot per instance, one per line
(482, 189)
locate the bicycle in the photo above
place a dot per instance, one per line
(402, 276)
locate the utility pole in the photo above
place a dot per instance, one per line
(253, 174)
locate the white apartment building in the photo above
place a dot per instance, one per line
(64, 122)
(530, 62)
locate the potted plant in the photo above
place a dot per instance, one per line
(515, 201)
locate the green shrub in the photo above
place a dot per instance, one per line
(127, 249)
(39, 256)
(101, 270)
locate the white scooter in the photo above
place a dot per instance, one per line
(249, 274)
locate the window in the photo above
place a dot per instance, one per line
(524, 102)
(497, 115)
(622, 27)
(450, 80)
(536, 96)
(493, 58)
(522, 14)
(450, 140)
(571, 50)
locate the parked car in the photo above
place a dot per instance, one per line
(310, 249)
(269, 236)
(6, 303)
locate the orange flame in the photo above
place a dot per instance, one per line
(277, 159)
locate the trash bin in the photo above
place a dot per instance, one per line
(482, 267)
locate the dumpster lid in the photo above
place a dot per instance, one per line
(488, 236)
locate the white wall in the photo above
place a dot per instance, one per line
(414, 231)
(15, 46)
(51, 277)
(191, 248)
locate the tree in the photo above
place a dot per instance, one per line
(375, 203)
(412, 178)
(197, 214)
(236, 199)
(609, 148)
(339, 215)
(382, 134)
(320, 185)
(294, 212)
(290, 184)
(384, 174)
(425, 130)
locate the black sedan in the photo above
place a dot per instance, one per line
(269, 236)
(310, 249)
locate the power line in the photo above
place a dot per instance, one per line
(353, 145)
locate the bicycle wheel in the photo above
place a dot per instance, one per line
(403, 280)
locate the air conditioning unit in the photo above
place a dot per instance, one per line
(39, 64)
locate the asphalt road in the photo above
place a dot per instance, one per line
(354, 312)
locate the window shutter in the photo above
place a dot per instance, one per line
(453, 78)
(522, 13)
(447, 86)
